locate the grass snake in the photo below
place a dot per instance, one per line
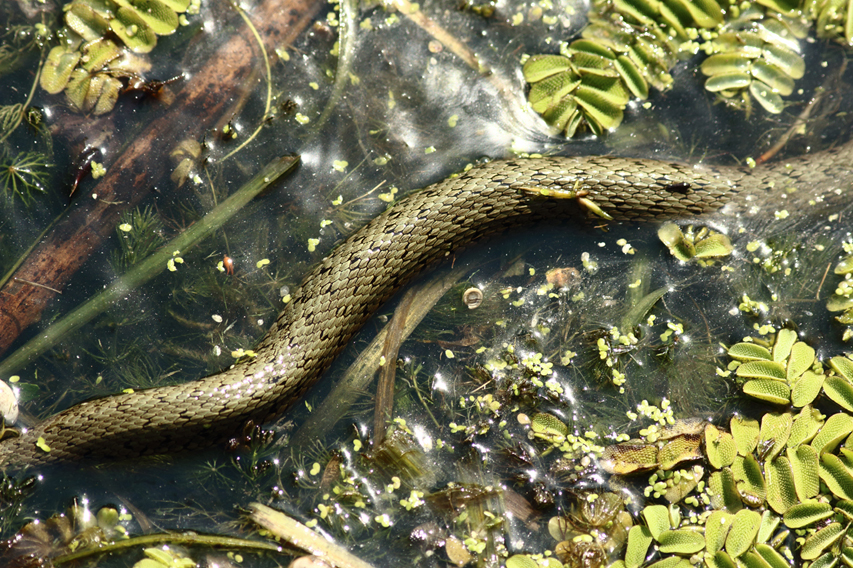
(338, 296)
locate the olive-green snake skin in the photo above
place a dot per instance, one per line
(341, 293)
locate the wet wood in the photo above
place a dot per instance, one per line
(144, 164)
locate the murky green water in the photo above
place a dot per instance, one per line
(408, 112)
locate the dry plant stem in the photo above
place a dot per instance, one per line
(144, 164)
(384, 407)
(458, 48)
(801, 121)
(360, 374)
(302, 537)
(147, 269)
(173, 539)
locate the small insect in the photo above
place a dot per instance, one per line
(228, 263)
(155, 89)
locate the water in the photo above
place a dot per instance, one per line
(410, 113)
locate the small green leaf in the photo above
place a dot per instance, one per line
(716, 529)
(766, 97)
(770, 390)
(728, 82)
(806, 388)
(836, 428)
(836, 477)
(548, 93)
(521, 561)
(720, 559)
(657, 519)
(540, 67)
(681, 542)
(840, 391)
(805, 464)
(785, 340)
(633, 78)
(749, 480)
(781, 491)
(762, 370)
(820, 541)
(748, 351)
(806, 425)
(714, 246)
(745, 433)
(133, 30)
(845, 265)
(805, 513)
(742, 533)
(843, 366)
(774, 433)
(723, 491)
(57, 69)
(639, 540)
(159, 17)
(42, 444)
(720, 447)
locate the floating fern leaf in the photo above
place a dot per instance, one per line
(754, 51)
(102, 35)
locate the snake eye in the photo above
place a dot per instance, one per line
(680, 187)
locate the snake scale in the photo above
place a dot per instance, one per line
(338, 296)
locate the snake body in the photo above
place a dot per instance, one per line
(338, 296)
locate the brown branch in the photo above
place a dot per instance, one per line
(144, 164)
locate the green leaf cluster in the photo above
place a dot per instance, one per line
(90, 64)
(630, 45)
(778, 491)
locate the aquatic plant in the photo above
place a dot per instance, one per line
(90, 63)
(842, 299)
(17, 41)
(140, 233)
(776, 491)
(24, 174)
(753, 51)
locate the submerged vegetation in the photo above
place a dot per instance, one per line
(24, 175)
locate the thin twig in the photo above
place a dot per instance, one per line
(822, 280)
(346, 52)
(269, 80)
(16, 279)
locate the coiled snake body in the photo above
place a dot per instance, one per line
(340, 294)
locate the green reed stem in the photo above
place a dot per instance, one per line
(171, 538)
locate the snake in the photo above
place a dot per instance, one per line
(343, 290)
